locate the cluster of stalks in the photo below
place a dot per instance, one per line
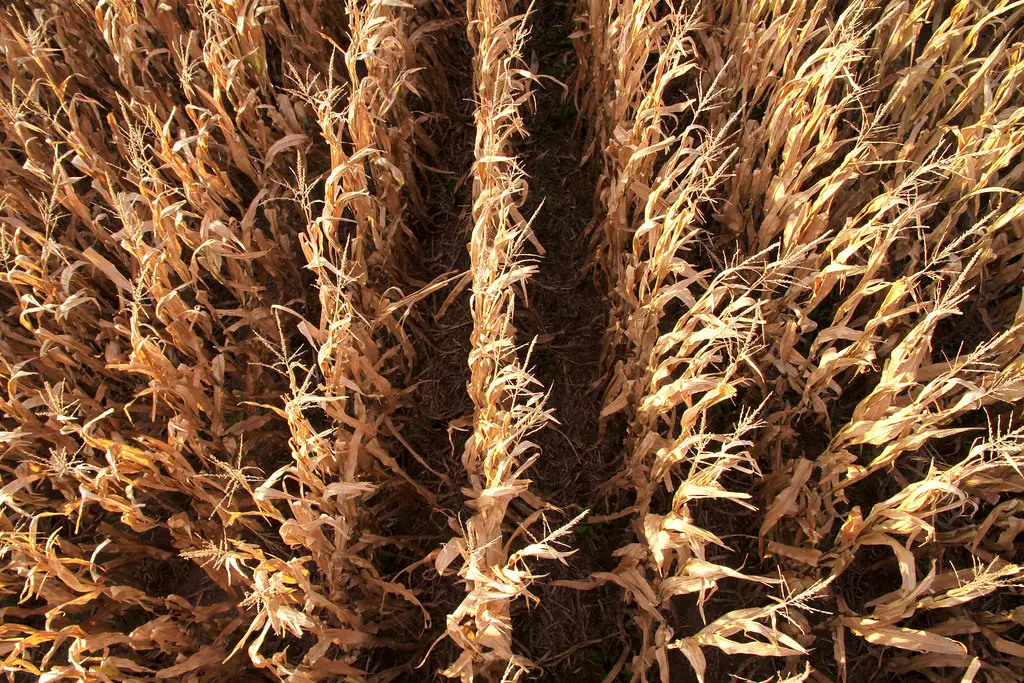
(809, 235)
(509, 403)
(201, 345)
(810, 223)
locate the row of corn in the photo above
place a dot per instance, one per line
(205, 211)
(810, 230)
(810, 223)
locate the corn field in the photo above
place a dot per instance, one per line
(495, 340)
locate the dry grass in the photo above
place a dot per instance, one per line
(810, 231)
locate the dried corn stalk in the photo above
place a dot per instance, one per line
(508, 402)
(869, 202)
(811, 232)
(163, 510)
(669, 372)
(849, 165)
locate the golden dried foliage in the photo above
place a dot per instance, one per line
(202, 332)
(796, 200)
(509, 403)
(216, 308)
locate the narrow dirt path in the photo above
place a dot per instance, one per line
(432, 439)
(567, 315)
